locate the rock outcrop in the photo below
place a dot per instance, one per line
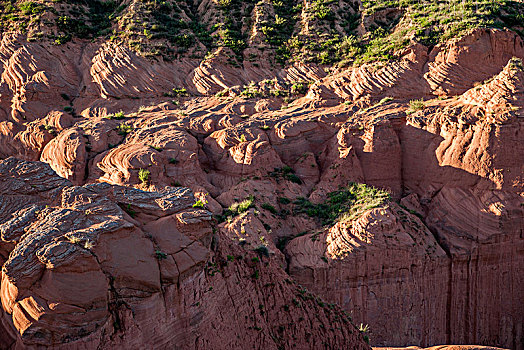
(104, 266)
(120, 249)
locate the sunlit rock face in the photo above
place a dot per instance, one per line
(136, 216)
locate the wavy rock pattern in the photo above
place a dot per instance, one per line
(447, 269)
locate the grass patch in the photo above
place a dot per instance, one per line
(177, 92)
(117, 116)
(237, 208)
(344, 205)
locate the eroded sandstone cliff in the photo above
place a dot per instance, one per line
(113, 253)
(104, 266)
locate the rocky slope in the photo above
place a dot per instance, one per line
(104, 266)
(225, 193)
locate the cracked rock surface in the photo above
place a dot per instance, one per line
(101, 265)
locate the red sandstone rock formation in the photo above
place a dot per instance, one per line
(113, 266)
(104, 266)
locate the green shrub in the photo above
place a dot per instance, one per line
(124, 129)
(177, 92)
(385, 100)
(31, 8)
(160, 255)
(286, 173)
(262, 250)
(344, 205)
(117, 116)
(284, 200)
(416, 105)
(129, 210)
(364, 329)
(143, 175)
(243, 206)
(293, 178)
(237, 208)
(269, 208)
(300, 87)
(320, 10)
(251, 91)
(200, 204)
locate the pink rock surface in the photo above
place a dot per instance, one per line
(100, 258)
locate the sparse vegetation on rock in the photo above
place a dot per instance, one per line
(274, 170)
(344, 205)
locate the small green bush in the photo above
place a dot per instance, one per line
(364, 329)
(262, 250)
(177, 92)
(124, 129)
(130, 210)
(269, 208)
(243, 206)
(284, 200)
(117, 116)
(416, 105)
(143, 175)
(385, 100)
(160, 255)
(300, 88)
(293, 178)
(286, 173)
(200, 204)
(31, 8)
(237, 208)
